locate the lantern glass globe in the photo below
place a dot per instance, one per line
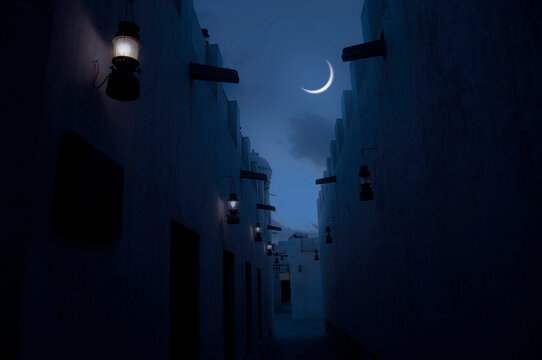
(126, 46)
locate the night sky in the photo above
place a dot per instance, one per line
(278, 47)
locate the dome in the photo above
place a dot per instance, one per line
(260, 165)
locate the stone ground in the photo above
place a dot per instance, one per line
(299, 339)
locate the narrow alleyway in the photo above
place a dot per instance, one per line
(299, 339)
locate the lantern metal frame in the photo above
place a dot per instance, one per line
(258, 229)
(269, 246)
(233, 212)
(365, 186)
(233, 198)
(122, 83)
(127, 30)
(233, 216)
(329, 239)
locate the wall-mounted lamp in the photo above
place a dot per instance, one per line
(365, 189)
(233, 203)
(233, 208)
(270, 247)
(328, 235)
(279, 267)
(122, 83)
(365, 186)
(316, 257)
(329, 240)
(258, 228)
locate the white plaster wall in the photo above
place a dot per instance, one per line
(174, 144)
(306, 284)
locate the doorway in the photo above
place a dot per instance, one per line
(183, 293)
(248, 307)
(260, 305)
(228, 288)
(285, 291)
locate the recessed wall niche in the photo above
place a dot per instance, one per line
(88, 192)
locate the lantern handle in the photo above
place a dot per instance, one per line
(131, 2)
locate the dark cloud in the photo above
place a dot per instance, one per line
(310, 138)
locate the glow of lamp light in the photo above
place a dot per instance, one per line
(124, 49)
(127, 46)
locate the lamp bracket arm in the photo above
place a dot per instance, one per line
(365, 149)
(97, 66)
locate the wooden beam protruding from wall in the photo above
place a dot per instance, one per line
(265, 207)
(253, 175)
(213, 73)
(326, 180)
(365, 50)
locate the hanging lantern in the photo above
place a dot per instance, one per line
(233, 208)
(316, 257)
(270, 247)
(365, 191)
(122, 83)
(276, 265)
(258, 228)
(233, 203)
(126, 46)
(328, 235)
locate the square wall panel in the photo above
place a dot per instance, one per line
(88, 192)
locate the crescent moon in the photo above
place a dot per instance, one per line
(326, 86)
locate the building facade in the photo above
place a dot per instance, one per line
(114, 217)
(445, 262)
(298, 277)
(305, 277)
